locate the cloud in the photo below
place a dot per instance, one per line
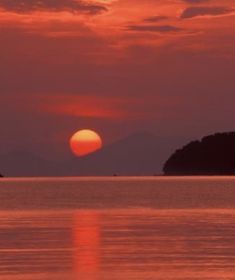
(154, 28)
(27, 6)
(196, 1)
(111, 108)
(192, 12)
(155, 18)
(85, 106)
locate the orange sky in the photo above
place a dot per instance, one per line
(98, 64)
(116, 26)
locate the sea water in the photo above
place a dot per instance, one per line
(117, 228)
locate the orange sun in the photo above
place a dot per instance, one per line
(84, 142)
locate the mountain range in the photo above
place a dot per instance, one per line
(135, 155)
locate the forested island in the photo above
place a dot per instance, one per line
(213, 155)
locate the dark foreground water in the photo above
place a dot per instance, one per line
(117, 229)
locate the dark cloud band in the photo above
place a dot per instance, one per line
(74, 6)
(154, 28)
(195, 1)
(155, 18)
(192, 12)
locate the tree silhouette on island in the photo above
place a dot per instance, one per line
(213, 155)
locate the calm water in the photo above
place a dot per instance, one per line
(117, 229)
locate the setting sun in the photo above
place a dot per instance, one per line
(84, 142)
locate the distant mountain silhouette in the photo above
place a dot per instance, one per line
(22, 163)
(138, 154)
(213, 155)
(135, 155)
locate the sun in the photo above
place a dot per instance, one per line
(84, 142)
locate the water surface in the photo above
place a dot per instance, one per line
(117, 228)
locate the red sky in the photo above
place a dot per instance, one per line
(118, 66)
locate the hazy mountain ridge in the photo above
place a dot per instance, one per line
(137, 154)
(23, 163)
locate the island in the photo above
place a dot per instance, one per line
(213, 155)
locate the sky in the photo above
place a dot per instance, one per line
(115, 66)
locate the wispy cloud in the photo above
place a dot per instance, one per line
(85, 106)
(155, 18)
(192, 12)
(27, 6)
(154, 28)
(94, 107)
(195, 1)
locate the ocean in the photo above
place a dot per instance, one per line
(153, 228)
